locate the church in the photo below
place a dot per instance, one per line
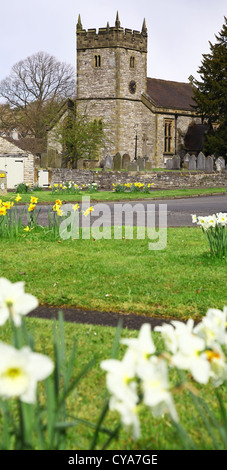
(143, 117)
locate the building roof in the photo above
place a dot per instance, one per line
(167, 94)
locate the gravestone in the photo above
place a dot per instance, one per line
(80, 164)
(125, 161)
(3, 183)
(148, 166)
(169, 164)
(117, 162)
(186, 157)
(108, 163)
(209, 164)
(201, 162)
(132, 166)
(220, 164)
(192, 163)
(176, 163)
(140, 164)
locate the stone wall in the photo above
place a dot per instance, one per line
(161, 179)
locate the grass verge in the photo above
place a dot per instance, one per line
(49, 197)
(180, 281)
(87, 400)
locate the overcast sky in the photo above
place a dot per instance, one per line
(179, 31)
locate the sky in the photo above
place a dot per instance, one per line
(179, 31)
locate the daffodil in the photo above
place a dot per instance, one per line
(7, 205)
(27, 229)
(18, 198)
(56, 207)
(58, 202)
(88, 211)
(14, 302)
(20, 370)
(31, 207)
(2, 211)
(34, 200)
(76, 207)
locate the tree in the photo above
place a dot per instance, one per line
(34, 89)
(79, 136)
(210, 94)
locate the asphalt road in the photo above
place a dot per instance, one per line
(177, 212)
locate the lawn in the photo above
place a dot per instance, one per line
(180, 281)
(86, 401)
(50, 197)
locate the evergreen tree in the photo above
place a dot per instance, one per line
(210, 94)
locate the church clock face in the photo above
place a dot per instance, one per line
(132, 87)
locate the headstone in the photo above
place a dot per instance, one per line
(125, 161)
(192, 163)
(220, 164)
(186, 157)
(201, 162)
(117, 162)
(176, 163)
(148, 166)
(3, 183)
(132, 166)
(80, 164)
(209, 164)
(108, 163)
(169, 164)
(140, 164)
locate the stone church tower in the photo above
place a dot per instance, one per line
(143, 117)
(111, 76)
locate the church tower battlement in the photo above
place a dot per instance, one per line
(112, 37)
(111, 79)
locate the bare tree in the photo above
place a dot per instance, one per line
(34, 89)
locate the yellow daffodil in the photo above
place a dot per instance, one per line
(87, 212)
(55, 185)
(18, 198)
(7, 205)
(56, 207)
(27, 229)
(34, 200)
(60, 212)
(76, 207)
(58, 202)
(2, 211)
(31, 207)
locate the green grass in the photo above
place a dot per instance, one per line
(49, 197)
(180, 281)
(87, 400)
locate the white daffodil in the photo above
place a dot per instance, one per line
(172, 332)
(142, 346)
(14, 302)
(190, 357)
(120, 379)
(155, 386)
(212, 328)
(211, 220)
(20, 370)
(194, 218)
(218, 366)
(128, 411)
(221, 218)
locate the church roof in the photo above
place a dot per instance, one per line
(169, 94)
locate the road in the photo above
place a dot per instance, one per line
(178, 211)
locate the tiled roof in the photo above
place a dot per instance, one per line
(169, 94)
